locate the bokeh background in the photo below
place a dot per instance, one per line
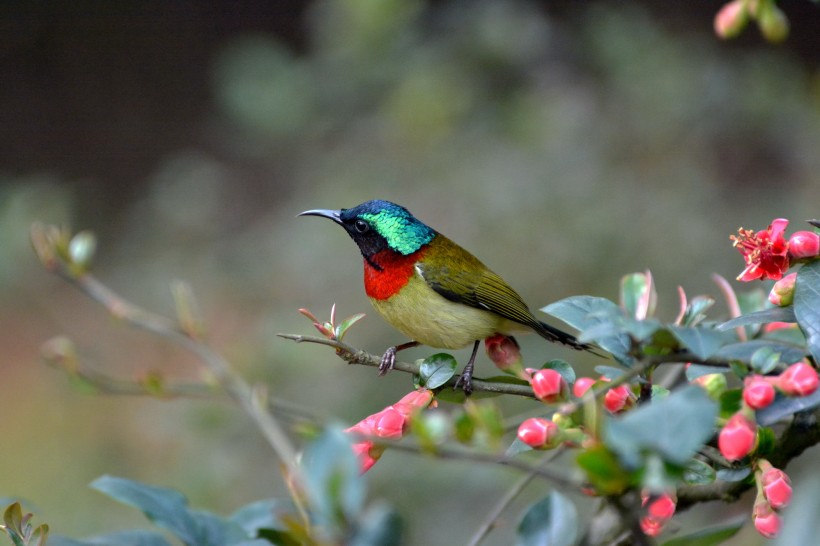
(565, 143)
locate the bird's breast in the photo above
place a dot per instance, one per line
(392, 274)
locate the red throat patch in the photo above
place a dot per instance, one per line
(395, 273)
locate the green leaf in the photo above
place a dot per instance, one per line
(261, 514)
(167, 508)
(730, 402)
(698, 472)
(333, 483)
(603, 470)
(693, 371)
(345, 325)
(585, 312)
(674, 427)
(696, 310)
(380, 525)
(786, 405)
(703, 342)
(711, 536)
(775, 314)
(563, 367)
(764, 360)
(552, 521)
(123, 538)
(516, 447)
(638, 295)
(609, 372)
(733, 475)
(436, 370)
(744, 351)
(807, 305)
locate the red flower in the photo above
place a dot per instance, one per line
(659, 512)
(539, 433)
(389, 423)
(766, 521)
(799, 379)
(581, 386)
(505, 353)
(548, 385)
(766, 252)
(804, 244)
(777, 488)
(758, 393)
(737, 438)
(618, 399)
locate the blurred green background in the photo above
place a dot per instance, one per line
(564, 143)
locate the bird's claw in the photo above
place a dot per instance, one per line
(388, 361)
(465, 383)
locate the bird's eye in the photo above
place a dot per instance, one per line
(361, 226)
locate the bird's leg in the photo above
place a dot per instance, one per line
(466, 379)
(389, 358)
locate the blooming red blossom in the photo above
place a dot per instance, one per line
(548, 385)
(737, 437)
(758, 393)
(777, 487)
(766, 252)
(804, 244)
(539, 433)
(799, 379)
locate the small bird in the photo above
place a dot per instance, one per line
(430, 289)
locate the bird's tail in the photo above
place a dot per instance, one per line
(553, 334)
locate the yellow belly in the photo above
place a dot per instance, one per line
(423, 315)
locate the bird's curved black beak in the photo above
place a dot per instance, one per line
(324, 213)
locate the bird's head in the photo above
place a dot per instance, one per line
(380, 225)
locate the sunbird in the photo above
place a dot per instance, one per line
(430, 289)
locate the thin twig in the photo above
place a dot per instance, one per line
(559, 479)
(491, 518)
(234, 385)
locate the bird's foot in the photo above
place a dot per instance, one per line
(388, 360)
(465, 382)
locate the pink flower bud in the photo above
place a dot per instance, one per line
(777, 488)
(782, 293)
(659, 512)
(539, 433)
(418, 399)
(758, 393)
(549, 386)
(618, 399)
(804, 244)
(774, 326)
(504, 352)
(737, 438)
(799, 379)
(581, 386)
(766, 521)
(713, 383)
(731, 19)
